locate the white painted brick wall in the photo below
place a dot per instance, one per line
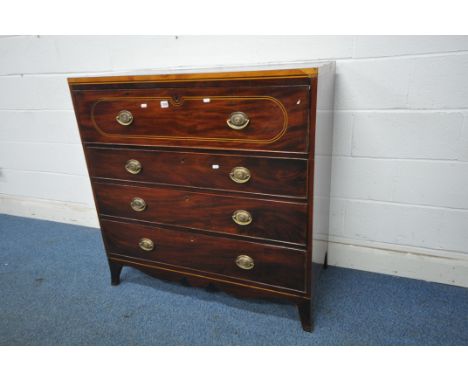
(431, 183)
(46, 185)
(38, 126)
(407, 135)
(57, 158)
(400, 170)
(388, 46)
(415, 226)
(34, 92)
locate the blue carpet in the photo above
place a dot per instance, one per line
(55, 290)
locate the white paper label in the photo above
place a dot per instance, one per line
(164, 104)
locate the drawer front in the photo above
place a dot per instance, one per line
(267, 264)
(270, 176)
(273, 118)
(275, 220)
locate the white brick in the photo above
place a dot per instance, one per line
(414, 83)
(415, 226)
(463, 148)
(342, 133)
(142, 52)
(439, 82)
(46, 157)
(376, 46)
(363, 178)
(168, 52)
(372, 84)
(27, 54)
(82, 53)
(337, 216)
(66, 54)
(393, 223)
(322, 168)
(34, 92)
(443, 184)
(407, 135)
(453, 232)
(321, 217)
(39, 126)
(65, 188)
(432, 183)
(324, 132)
(54, 54)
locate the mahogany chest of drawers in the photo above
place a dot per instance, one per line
(217, 179)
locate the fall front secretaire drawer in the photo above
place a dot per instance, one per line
(253, 118)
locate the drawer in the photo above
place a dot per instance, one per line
(269, 219)
(260, 175)
(266, 264)
(263, 118)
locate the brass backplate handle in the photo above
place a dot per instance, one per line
(124, 117)
(133, 166)
(240, 175)
(238, 120)
(138, 204)
(242, 217)
(245, 262)
(146, 244)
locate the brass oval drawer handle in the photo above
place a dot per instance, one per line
(146, 244)
(240, 175)
(245, 262)
(133, 166)
(124, 117)
(238, 120)
(138, 204)
(242, 217)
